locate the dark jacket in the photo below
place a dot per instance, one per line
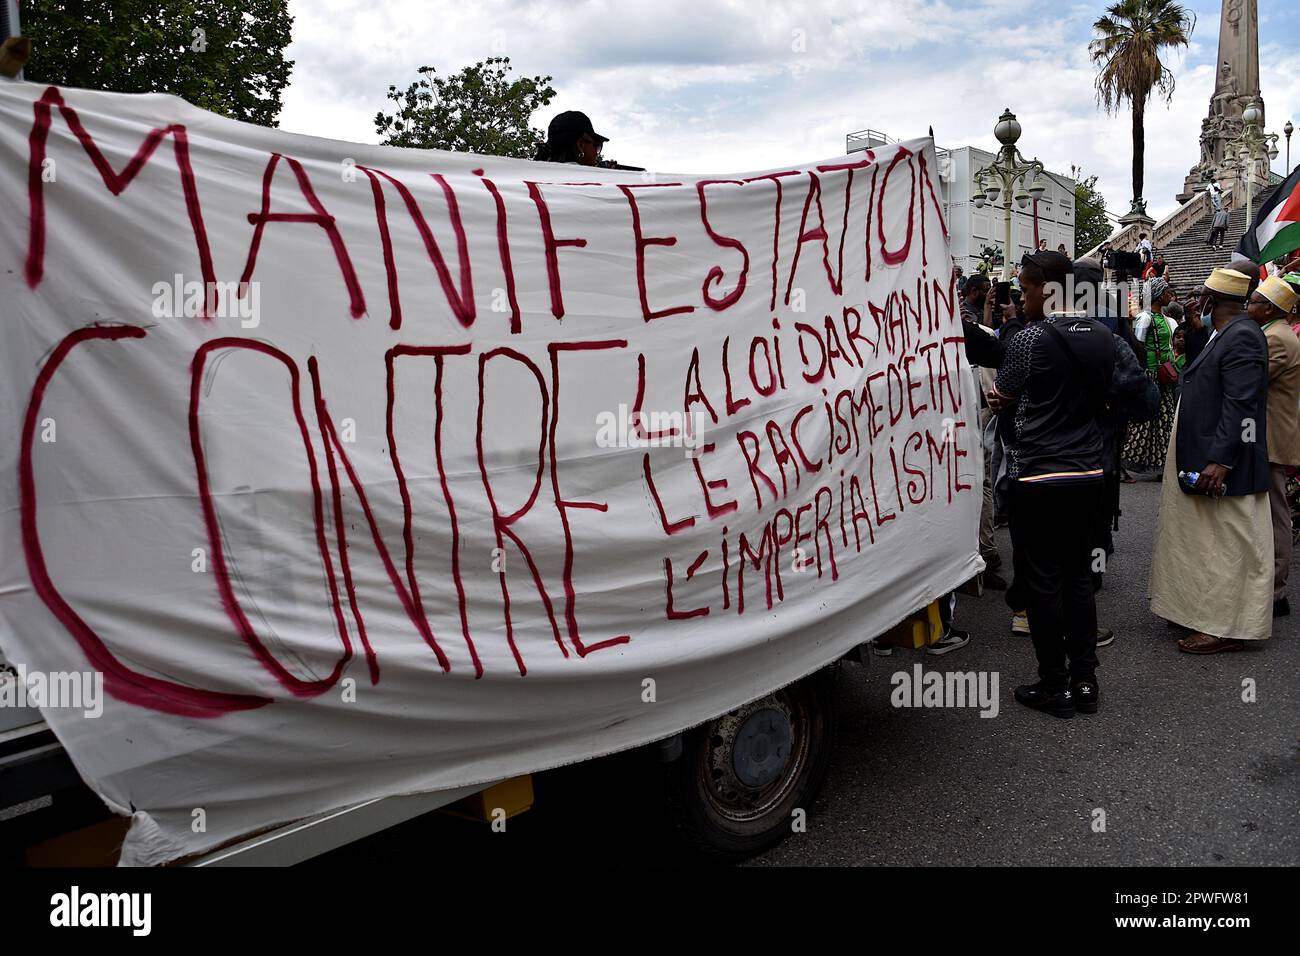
(982, 348)
(1133, 395)
(1194, 339)
(1058, 371)
(1222, 416)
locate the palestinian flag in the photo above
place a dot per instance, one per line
(1276, 229)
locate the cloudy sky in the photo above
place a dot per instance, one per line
(732, 85)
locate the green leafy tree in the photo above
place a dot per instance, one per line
(223, 55)
(1126, 53)
(1091, 227)
(478, 110)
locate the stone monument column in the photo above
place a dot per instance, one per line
(1236, 85)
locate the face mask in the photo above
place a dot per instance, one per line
(1207, 320)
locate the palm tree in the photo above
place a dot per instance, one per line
(1126, 52)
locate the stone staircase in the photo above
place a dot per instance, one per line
(1191, 260)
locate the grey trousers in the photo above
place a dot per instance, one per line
(988, 546)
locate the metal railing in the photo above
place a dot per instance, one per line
(866, 138)
(1167, 229)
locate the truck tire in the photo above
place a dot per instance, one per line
(740, 779)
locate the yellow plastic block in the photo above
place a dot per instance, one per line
(916, 630)
(512, 796)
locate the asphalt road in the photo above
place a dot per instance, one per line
(1185, 771)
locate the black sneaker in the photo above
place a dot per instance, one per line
(1087, 695)
(952, 640)
(1281, 607)
(1105, 636)
(1059, 703)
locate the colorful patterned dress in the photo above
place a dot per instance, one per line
(1147, 441)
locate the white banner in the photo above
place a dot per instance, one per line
(358, 471)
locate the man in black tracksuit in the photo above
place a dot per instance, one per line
(1053, 383)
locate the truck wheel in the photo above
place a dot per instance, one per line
(741, 777)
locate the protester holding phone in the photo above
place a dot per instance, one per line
(1000, 313)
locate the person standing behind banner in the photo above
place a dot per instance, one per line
(1269, 306)
(1212, 561)
(1053, 384)
(570, 138)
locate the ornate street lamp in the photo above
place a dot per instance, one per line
(1288, 129)
(1252, 148)
(1002, 177)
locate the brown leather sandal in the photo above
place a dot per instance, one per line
(1205, 644)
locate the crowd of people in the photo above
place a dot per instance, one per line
(1087, 384)
(1118, 384)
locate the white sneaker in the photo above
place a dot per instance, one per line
(1020, 623)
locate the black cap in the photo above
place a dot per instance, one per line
(1054, 265)
(1088, 271)
(569, 126)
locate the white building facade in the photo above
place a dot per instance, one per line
(971, 229)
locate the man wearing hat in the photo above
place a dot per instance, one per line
(1212, 564)
(1269, 306)
(570, 138)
